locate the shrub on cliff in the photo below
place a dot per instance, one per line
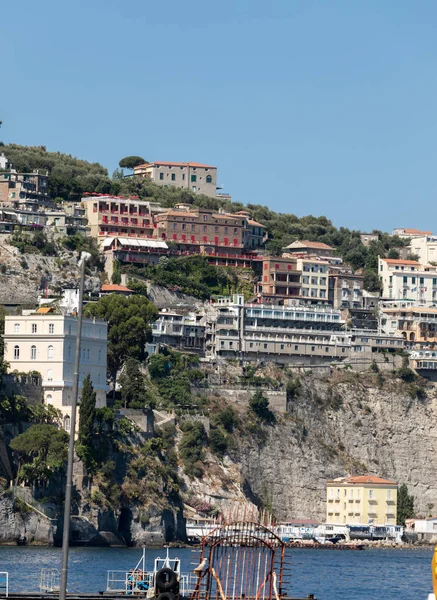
(260, 406)
(192, 446)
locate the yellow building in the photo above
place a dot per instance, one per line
(361, 499)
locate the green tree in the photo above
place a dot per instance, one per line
(133, 389)
(260, 406)
(87, 416)
(218, 442)
(227, 418)
(405, 505)
(129, 327)
(191, 447)
(129, 162)
(43, 452)
(393, 253)
(371, 281)
(116, 277)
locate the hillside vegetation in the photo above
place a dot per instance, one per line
(71, 177)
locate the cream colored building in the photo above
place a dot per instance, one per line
(361, 500)
(408, 279)
(314, 279)
(198, 178)
(425, 247)
(46, 343)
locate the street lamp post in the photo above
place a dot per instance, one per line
(69, 484)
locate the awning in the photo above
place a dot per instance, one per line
(107, 242)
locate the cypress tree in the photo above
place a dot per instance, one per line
(87, 413)
(405, 505)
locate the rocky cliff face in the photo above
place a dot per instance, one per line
(345, 424)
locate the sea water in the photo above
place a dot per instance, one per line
(375, 574)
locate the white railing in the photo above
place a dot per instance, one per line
(4, 583)
(49, 580)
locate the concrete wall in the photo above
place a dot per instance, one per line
(277, 398)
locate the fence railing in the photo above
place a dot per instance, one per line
(4, 583)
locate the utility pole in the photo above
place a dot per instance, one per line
(69, 484)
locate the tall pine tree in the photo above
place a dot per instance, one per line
(405, 505)
(87, 413)
(133, 389)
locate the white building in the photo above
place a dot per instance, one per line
(425, 247)
(407, 279)
(402, 232)
(46, 343)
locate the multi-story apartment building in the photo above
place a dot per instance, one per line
(113, 216)
(17, 189)
(280, 280)
(256, 331)
(407, 279)
(314, 279)
(45, 342)
(425, 248)
(182, 332)
(361, 499)
(410, 233)
(345, 289)
(416, 323)
(192, 227)
(198, 178)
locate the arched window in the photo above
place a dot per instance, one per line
(69, 352)
(16, 352)
(67, 423)
(33, 353)
(100, 355)
(208, 179)
(17, 328)
(49, 399)
(98, 378)
(51, 328)
(88, 354)
(49, 375)
(50, 352)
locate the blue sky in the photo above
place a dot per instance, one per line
(311, 107)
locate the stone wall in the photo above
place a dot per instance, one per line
(277, 398)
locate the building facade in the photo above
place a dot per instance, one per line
(307, 247)
(182, 332)
(416, 324)
(280, 280)
(17, 189)
(425, 248)
(345, 289)
(402, 232)
(45, 343)
(407, 279)
(195, 177)
(361, 500)
(314, 279)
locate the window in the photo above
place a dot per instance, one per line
(69, 330)
(50, 352)
(69, 353)
(49, 399)
(161, 176)
(17, 328)
(405, 279)
(16, 352)
(193, 178)
(193, 228)
(174, 225)
(370, 494)
(67, 423)
(208, 179)
(205, 217)
(265, 346)
(51, 328)
(49, 375)
(173, 177)
(34, 328)
(422, 280)
(100, 355)
(183, 176)
(205, 228)
(388, 494)
(33, 353)
(413, 280)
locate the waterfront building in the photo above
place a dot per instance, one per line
(280, 280)
(407, 279)
(192, 176)
(361, 499)
(345, 289)
(287, 333)
(45, 343)
(402, 232)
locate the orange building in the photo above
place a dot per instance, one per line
(280, 280)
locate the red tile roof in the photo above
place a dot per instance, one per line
(399, 261)
(254, 223)
(357, 479)
(309, 244)
(417, 231)
(175, 164)
(112, 287)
